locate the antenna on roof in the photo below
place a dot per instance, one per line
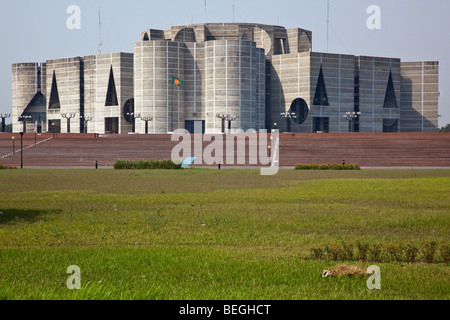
(100, 42)
(206, 18)
(328, 23)
(233, 12)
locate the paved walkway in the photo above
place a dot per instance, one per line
(26, 148)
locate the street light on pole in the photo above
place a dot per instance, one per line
(4, 116)
(226, 117)
(53, 129)
(289, 116)
(350, 117)
(223, 117)
(146, 119)
(134, 116)
(68, 116)
(13, 138)
(86, 120)
(230, 119)
(21, 150)
(24, 120)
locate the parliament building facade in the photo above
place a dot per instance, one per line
(259, 76)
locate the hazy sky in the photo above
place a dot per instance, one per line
(413, 30)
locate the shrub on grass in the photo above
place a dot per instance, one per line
(395, 252)
(411, 252)
(317, 253)
(347, 251)
(375, 252)
(332, 166)
(2, 166)
(363, 250)
(445, 252)
(143, 164)
(428, 251)
(332, 252)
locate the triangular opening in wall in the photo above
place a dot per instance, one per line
(111, 95)
(390, 100)
(321, 97)
(54, 96)
(37, 104)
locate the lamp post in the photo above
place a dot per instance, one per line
(4, 116)
(53, 129)
(223, 117)
(24, 120)
(230, 119)
(289, 116)
(21, 150)
(86, 120)
(13, 138)
(68, 116)
(146, 119)
(131, 114)
(350, 117)
(226, 117)
(134, 116)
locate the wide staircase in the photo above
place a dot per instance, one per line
(367, 150)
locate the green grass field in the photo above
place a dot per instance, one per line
(210, 234)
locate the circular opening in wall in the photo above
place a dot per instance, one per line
(300, 108)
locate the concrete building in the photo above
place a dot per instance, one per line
(264, 76)
(93, 89)
(28, 97)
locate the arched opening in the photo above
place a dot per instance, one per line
(128, 111)
(305, 42)
(390, 125)
(185, 35)
(129, 114)
(146, 37)
(262, 39)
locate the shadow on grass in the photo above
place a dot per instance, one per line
(13, 215)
